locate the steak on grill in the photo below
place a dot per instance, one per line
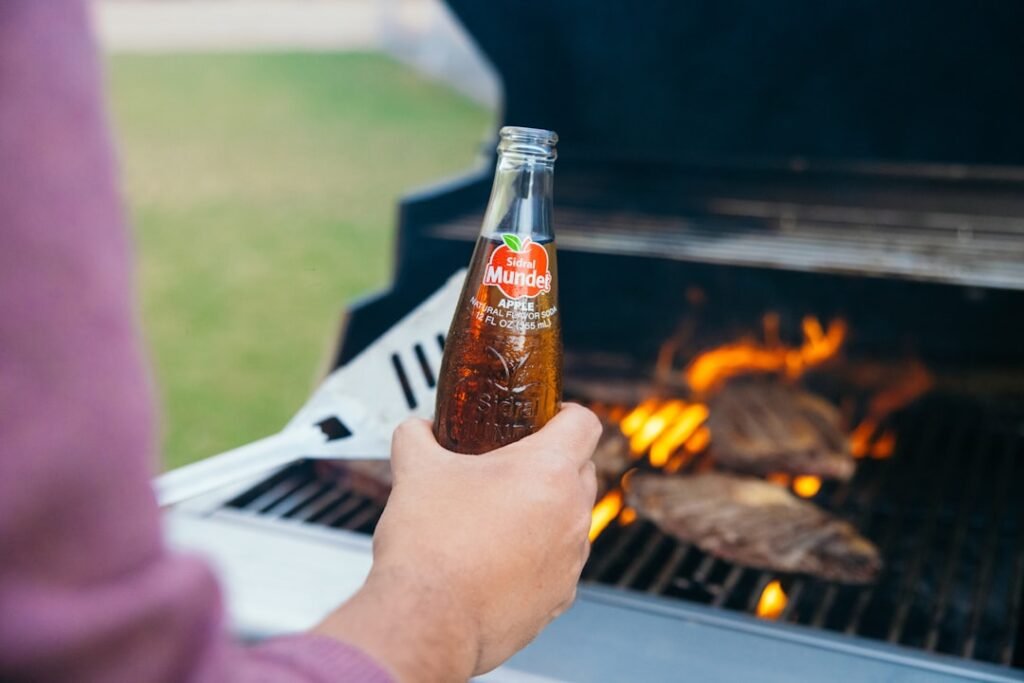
(611, 458)
(752, 522)
(762, 427)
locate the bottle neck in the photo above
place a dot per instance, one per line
(521, 198)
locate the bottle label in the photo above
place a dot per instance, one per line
(519, 268)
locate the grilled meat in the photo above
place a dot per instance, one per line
(612, 390)
(754, 523)
(611, 458)
(766, 426)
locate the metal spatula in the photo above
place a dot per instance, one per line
(352, 413)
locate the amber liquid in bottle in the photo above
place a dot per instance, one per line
(501, 376)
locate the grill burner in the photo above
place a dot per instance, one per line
(942, 509)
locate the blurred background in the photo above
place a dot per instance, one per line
(264, 145)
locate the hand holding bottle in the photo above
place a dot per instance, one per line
(474, 556)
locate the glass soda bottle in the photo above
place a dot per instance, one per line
(501, 375)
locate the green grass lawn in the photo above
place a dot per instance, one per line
(262, 190)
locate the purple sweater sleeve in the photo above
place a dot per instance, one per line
(88, 592)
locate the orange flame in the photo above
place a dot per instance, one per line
(806, 486)
(884, 446)
(664, 427)
(604, 512)
(636, 417)
(677, 461)
(711, 368)
(864, 443)
(772, 601)
(687, 422)
(643, 437)
(693, 447)
(907, 389)
(699, 441)
(627, 516)
(860, 437)
(903, 392)
(616, 414)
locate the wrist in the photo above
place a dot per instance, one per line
(410, 625)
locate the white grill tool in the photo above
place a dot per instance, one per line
(351, 414)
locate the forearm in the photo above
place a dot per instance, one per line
(88, 591)
(408, 622)
(79, 532)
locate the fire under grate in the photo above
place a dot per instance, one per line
(945, 513)
(945, 510)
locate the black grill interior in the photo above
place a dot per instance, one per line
(297, 493)
(945, 513)
(945, 510)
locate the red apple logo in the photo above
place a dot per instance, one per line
(519, 268)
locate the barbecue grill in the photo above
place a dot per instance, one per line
(719, 161)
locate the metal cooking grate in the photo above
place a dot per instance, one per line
(946, 511)
(298, 493)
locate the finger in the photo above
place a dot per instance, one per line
(588, 481)
(565, 604)
(412, 440)
(574, 431)
(585, 553)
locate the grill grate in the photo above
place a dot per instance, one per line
(947, 520)
(297, 493)
(944, 510)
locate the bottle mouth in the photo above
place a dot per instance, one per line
(531, 143)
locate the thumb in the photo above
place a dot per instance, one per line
(412, 440)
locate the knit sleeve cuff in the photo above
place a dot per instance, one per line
(320, 659)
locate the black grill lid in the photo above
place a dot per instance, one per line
(936, 81)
